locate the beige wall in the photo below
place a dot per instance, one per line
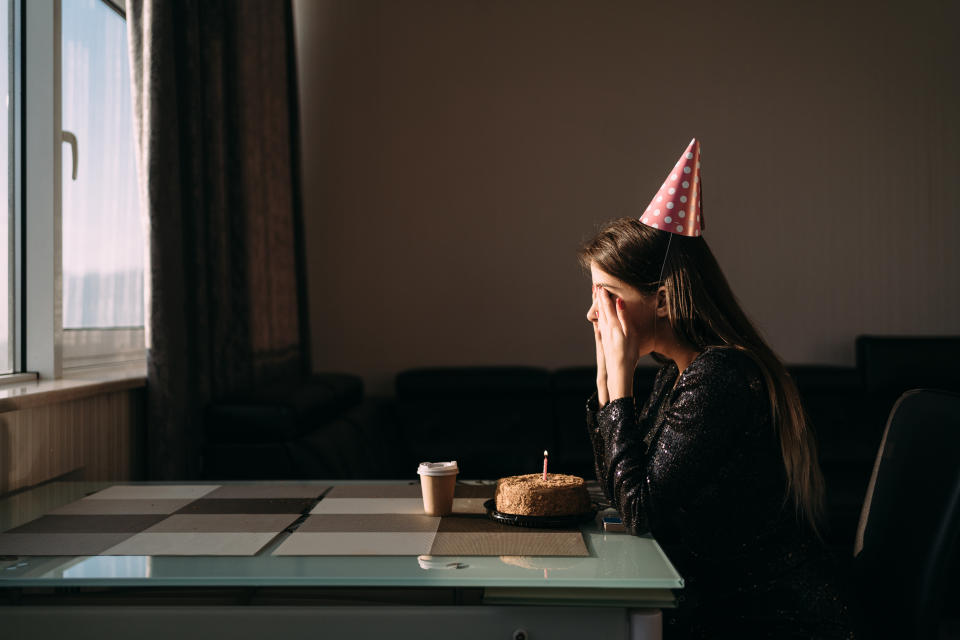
(456, 152)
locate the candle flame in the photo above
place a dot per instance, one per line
(544, 453)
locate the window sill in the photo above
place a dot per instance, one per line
(73, 386)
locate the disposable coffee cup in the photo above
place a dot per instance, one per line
(437, 481)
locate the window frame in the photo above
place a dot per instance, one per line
(16, 157)
(41, 187)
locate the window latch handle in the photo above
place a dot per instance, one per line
(71, 139)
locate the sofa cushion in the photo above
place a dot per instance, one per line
(282, 410)
(891, 365)
(897, 363)
(834, 402)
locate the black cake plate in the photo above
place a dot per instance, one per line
(544, 522)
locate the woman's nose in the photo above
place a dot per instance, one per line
(592, 312)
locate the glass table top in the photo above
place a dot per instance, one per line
(616, 561)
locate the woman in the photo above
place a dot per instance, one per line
(719, 463)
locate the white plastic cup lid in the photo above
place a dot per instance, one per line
(438, 468)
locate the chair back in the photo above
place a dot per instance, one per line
(908, 528)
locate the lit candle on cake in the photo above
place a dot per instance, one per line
(544, 465)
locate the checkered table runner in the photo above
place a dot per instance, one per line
(301, 519)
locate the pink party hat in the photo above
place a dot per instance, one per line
(678, 205)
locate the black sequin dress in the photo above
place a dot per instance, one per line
(699, 466)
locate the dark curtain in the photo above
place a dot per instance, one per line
(215, 98)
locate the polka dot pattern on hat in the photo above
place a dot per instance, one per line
(677, 197)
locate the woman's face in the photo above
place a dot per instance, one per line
(638, 309)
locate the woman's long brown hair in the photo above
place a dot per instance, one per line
(702, 311)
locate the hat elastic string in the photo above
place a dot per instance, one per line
(656, 294)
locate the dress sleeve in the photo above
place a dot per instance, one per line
(616, 433)
(596, 440)
(621, 461)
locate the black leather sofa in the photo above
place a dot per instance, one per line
(496, 421)
(316, 427)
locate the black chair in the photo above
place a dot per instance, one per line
(908, 529)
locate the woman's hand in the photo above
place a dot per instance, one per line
(603, 396)
(619, 345)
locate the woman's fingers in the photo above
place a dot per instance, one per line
(621, 318)
(610, 335)
(597, 335)
(602, 314)
(598, 338)
(601, 360)
(608, 311)
(603, 394)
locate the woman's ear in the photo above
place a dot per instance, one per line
(662, 302)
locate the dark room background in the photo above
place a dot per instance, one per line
(455, 153)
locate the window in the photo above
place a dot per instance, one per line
(84, 249)
(103, 239)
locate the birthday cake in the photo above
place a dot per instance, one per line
(531, 495)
